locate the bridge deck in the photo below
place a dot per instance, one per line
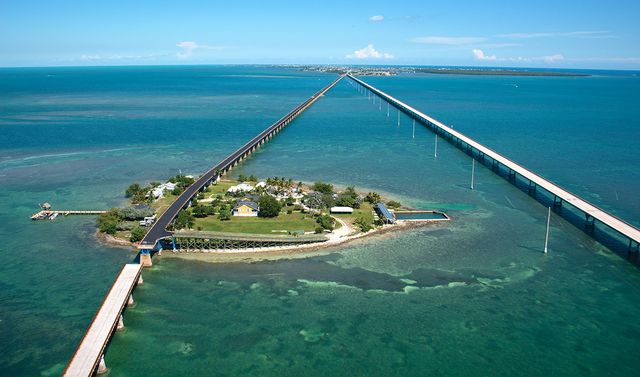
(159, 229)
(611, 221)
(86, 358)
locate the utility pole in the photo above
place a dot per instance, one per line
(546, 238)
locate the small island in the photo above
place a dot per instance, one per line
(249, 214)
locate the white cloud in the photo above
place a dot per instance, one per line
(96, 58)
(369, 52)
(376, 18)
(553, 58)
(480, 55)
(188, 47)
(579, 34)
(439, 40)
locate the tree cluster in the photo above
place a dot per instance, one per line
(138, 194)
(269, 206)
(324, 188)
(349, 198)
(244, 178)
(326, 222)
(184, 220)
(373, 198)
(182, 182)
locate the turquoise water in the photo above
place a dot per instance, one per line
(471, 296)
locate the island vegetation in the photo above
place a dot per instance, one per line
(275, 206)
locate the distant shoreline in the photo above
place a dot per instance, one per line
(497, 72)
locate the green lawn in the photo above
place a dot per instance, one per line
(221, 188)
(258, 225)
(365, 210)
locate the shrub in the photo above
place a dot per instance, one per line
(319, 230)
(372, 197)
(131, 213)
(324, 188)
(202, 211)
(393, 204)
(183, 220)
(225, 213)
(137, 233)
(108, 222)
(289, 211)
(132, 190)
(326, 221)
(269, 206)
(362, 224)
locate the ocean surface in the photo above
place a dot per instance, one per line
(474, 296)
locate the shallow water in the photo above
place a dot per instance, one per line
(474, 294)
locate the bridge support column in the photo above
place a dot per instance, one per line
(145, 258)
(120, 325)
(173, 244)
(590, 223)
(512, 176)
(130, 300)
(102, 366)
(532, 188)
(140, 281)
(631, 248)
(557, 203)
(495, 165)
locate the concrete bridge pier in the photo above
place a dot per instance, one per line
(495, 165)
(590, 223)
(130, 300)
(557, 203)
(512, 176)
(120, 325)
(532, 188)
(635, 250)
(102, 366)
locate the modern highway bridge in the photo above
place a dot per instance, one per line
(481, 153)
(89, 357)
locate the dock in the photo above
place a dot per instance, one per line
(481, 152)
(89, 356)
(48, 214)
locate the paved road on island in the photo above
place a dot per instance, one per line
(159, 229)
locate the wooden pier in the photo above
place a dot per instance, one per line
(47, 214)
(480, 152)
(89, 356)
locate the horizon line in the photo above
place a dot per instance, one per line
(319, 64)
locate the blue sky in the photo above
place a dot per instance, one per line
(563, 34)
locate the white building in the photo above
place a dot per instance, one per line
(341, 210)
(158, 192)
(243, 187)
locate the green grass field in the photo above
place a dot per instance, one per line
(365, 210)
(258, 225)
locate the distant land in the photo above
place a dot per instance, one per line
(392, 71)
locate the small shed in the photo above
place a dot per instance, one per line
(339, 209)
